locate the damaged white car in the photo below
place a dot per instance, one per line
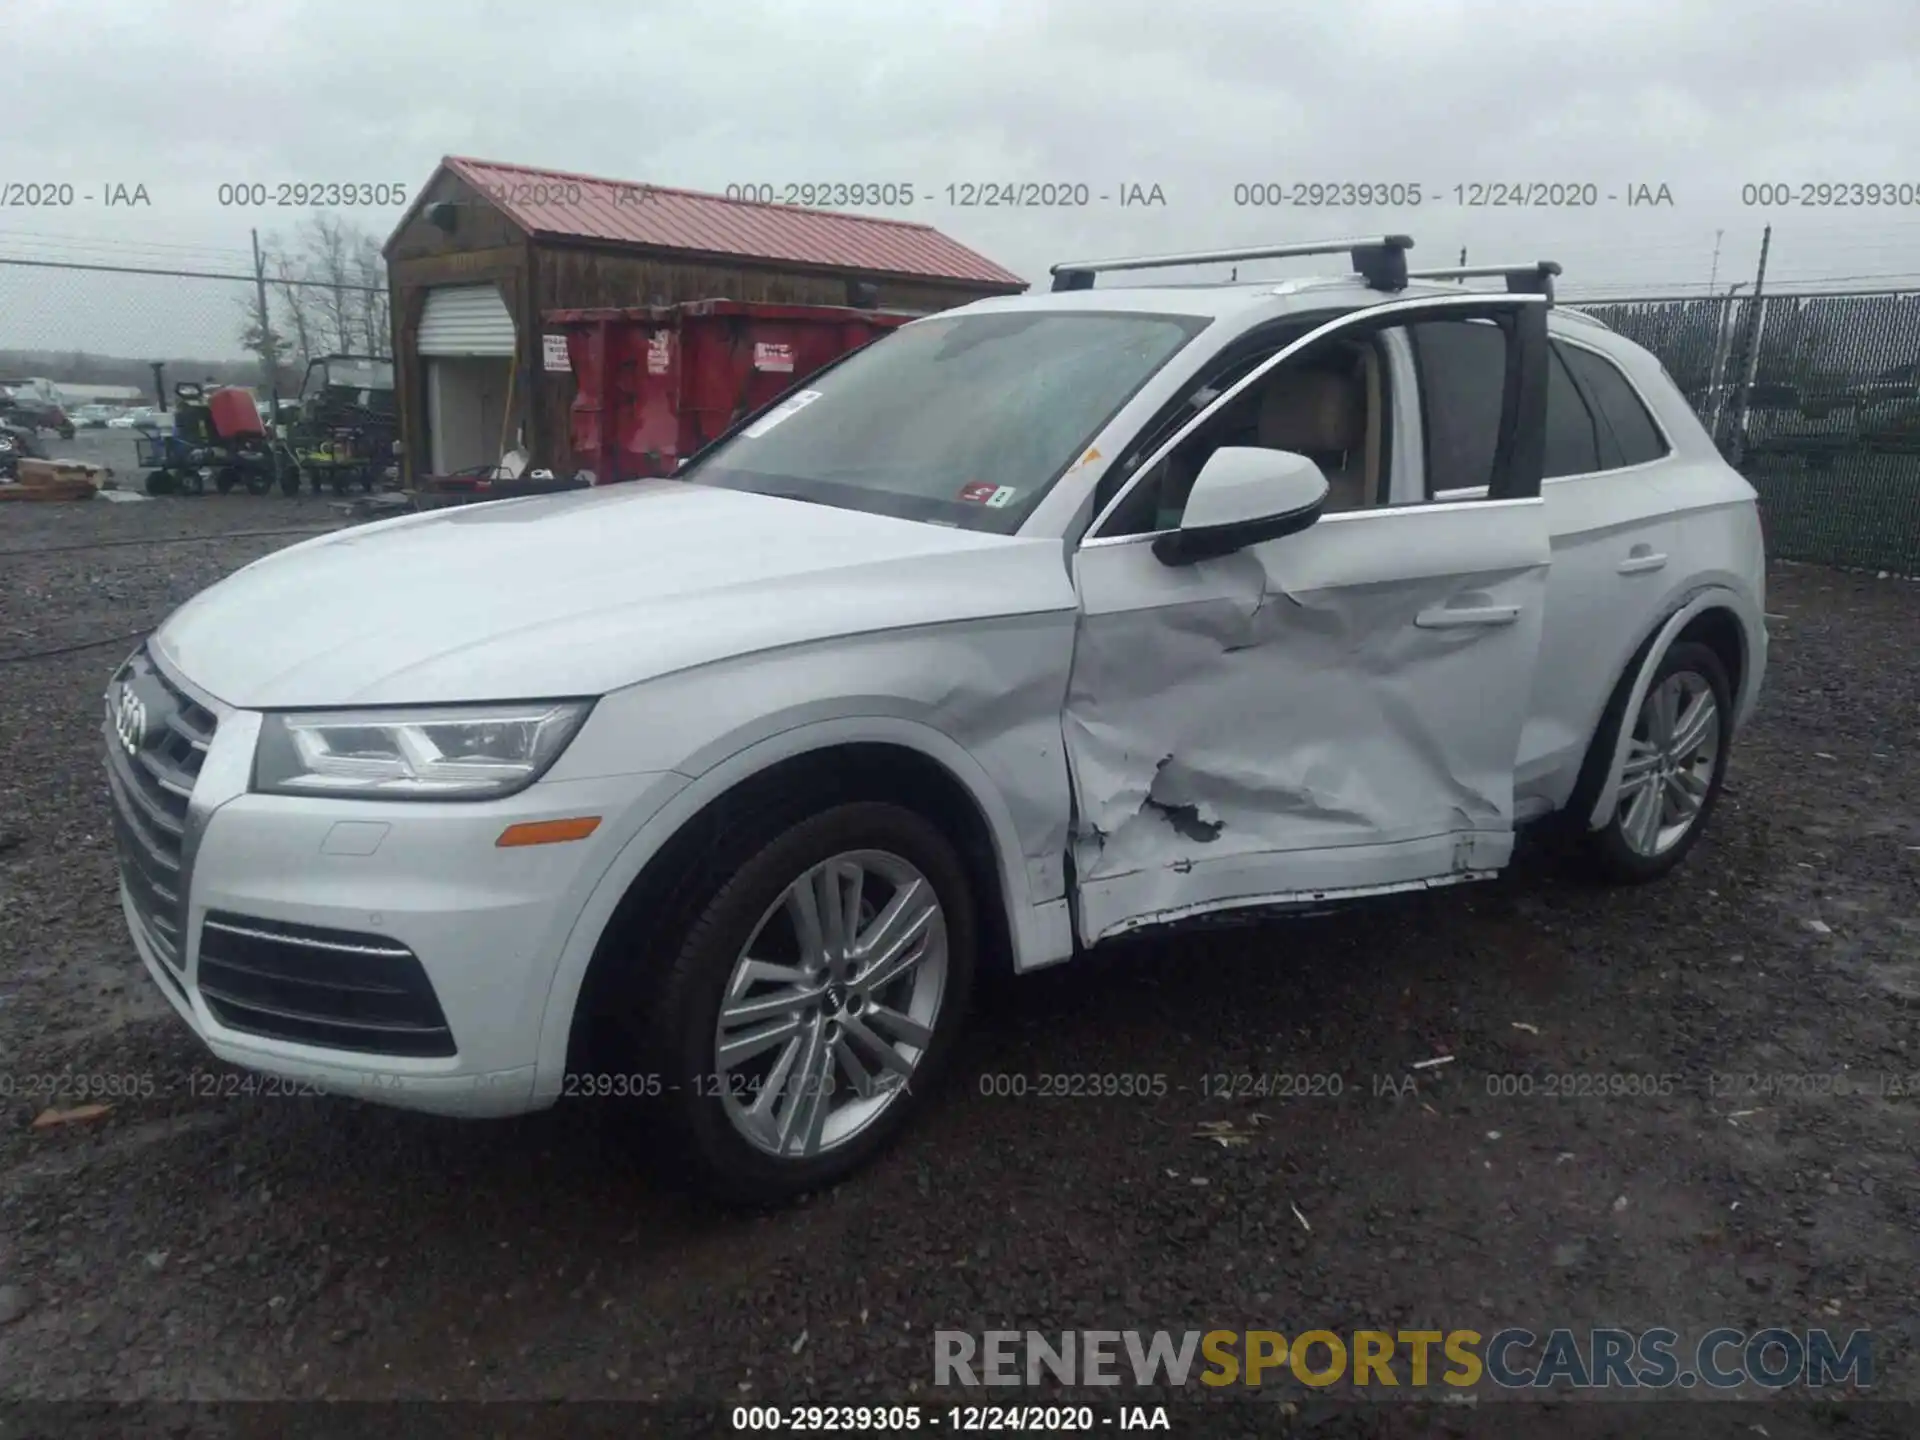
(1036, 623)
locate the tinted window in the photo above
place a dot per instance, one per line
(1620, 409)
(1463, 376)
(963, 420)
(1573, 446)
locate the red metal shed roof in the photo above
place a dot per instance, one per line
(561, 205)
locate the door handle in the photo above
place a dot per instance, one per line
(1641, 559)
(1446, 617)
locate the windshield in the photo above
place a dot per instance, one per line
(964, 420)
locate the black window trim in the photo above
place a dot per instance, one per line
(1600, 417)
(1556, 359)
(1452, 493)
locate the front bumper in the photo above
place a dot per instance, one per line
(344, 888)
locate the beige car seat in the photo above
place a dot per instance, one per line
(1323, 416)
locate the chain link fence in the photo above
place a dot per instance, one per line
(107, 324)
(111, 342)
(1816, 398)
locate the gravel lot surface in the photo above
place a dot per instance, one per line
(205, 1243)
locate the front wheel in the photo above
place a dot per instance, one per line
(812, 1002)
(1676, 760)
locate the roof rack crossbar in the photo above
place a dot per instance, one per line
(1380, 259)
(1533, 278)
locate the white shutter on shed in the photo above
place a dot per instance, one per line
(465, 320)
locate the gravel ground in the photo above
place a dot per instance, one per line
(199, 1243)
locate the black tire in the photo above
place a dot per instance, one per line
(1608, 853)
(259, 479)
(224, 480)
(162, 482)
(290, 482)
(674, 1009)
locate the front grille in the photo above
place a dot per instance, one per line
(156, 740)
(336, 988)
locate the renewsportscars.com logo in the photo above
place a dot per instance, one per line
(1512, 1359)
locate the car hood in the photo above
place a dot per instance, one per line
(580, 594)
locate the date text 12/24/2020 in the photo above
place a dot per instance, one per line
(964, 195)
(1471, 195)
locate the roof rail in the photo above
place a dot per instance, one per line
(1535, 278)
(1381, 260)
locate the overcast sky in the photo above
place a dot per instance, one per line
(1195, 96)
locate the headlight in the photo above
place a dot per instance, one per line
(455, 752)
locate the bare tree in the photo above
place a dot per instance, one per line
(327, 245)
(329, 290)
(294, 301)
(370, 271)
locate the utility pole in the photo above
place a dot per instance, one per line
(269, 342)
(269, 350)
(1713, 274)
(1751, 366)
(1463, 255)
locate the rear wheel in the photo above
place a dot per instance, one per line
(1676, 759)
(812, 1002)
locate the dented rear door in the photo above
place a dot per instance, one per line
(1337, 711)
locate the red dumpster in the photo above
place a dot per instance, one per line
(654, 383)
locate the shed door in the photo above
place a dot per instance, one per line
(466, 320)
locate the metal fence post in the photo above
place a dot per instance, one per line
(1743, 400)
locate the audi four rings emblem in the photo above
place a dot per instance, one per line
(130, 719)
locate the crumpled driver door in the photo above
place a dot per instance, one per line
(1334, 712)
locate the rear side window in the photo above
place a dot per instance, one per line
(1463, 377)
(1621, 413)
(1573, 444)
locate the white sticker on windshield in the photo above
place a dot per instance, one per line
(783, 411)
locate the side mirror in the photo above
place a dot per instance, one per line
(1242, 496)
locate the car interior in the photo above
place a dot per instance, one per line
(1329, 405)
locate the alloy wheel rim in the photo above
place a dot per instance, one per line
(1670, 763)
(831, 1004)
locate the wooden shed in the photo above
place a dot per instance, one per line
(487, 249)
